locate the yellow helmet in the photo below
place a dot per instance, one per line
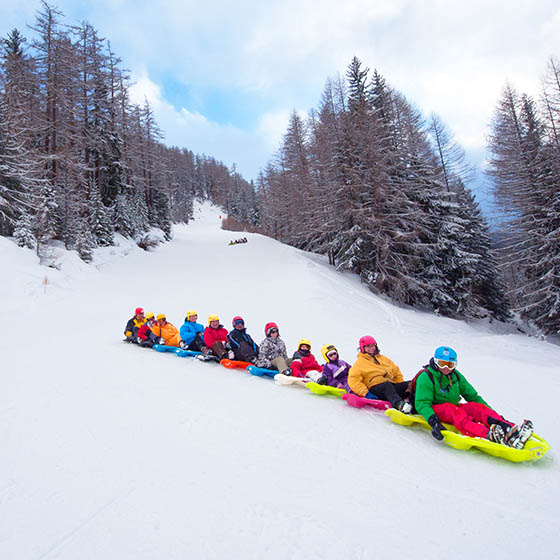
(191, 313)
(213, 318)
(161, 316)
(326, 349)
(304, 341)
(149, 315)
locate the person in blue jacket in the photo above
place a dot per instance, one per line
(192, 334)
(243, 346)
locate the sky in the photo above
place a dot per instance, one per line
(223, 77)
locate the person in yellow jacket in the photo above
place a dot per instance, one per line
(167, 333)
(375, 376)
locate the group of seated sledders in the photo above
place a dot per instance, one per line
(435, 391)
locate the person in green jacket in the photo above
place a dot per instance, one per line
(439, 388)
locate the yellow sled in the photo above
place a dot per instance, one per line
(534, 449)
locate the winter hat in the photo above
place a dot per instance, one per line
(161, 316)
(138, 311)
(269, 326)
(366, 341)
(213, 318)
(327, 349)
(237, 319)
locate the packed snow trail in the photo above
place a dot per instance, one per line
(113, 451)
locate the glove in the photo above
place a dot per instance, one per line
(371, 396)
(437, 426)
(322, 380)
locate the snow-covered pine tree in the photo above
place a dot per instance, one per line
(23, 232)
(521, 174)
(100, 222)
(85, 241)
(469, 265)
(20, 170)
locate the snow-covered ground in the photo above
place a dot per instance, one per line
(110, 451)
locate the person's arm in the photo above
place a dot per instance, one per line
(396, 373)
(208, 338)
(424, 398)
(356, 382)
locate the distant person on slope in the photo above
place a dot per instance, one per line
(215, 338)
(335, 370)
(167, 333)
(272, 351)
(375, 376)
(133, 324)
(439, 388)
(146, 336)
(304, 363)
(192, 334)
(243, 346)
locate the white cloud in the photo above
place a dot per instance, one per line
(144, 89)
(248, 149)
(450, 60)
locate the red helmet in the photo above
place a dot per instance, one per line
(269, 326)
(138, 311)
(365, 341)
(237, 319)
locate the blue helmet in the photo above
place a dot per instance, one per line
(445, 353)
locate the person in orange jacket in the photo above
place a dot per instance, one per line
(167, 333)
(375, 376)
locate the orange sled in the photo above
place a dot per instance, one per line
(232, 364)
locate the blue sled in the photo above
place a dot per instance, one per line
(163, 348)
(254, 370)
(184, 353)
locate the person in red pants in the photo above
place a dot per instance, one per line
(439, 388)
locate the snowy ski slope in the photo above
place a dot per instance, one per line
(110, 451)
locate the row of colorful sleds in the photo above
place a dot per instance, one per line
(535, 448)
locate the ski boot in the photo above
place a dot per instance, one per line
(496, 434)
(404, 407)
(518, 434)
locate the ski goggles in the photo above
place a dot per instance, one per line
(445, 363)
(332, 353)
(238, 322)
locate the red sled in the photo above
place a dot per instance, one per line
(360, 402)
(232, 364)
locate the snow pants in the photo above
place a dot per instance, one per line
(281, 364)
(219, 349)
(471, 419)
(392, 392)
(197, 344)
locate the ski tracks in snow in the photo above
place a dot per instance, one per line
(92, 516)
